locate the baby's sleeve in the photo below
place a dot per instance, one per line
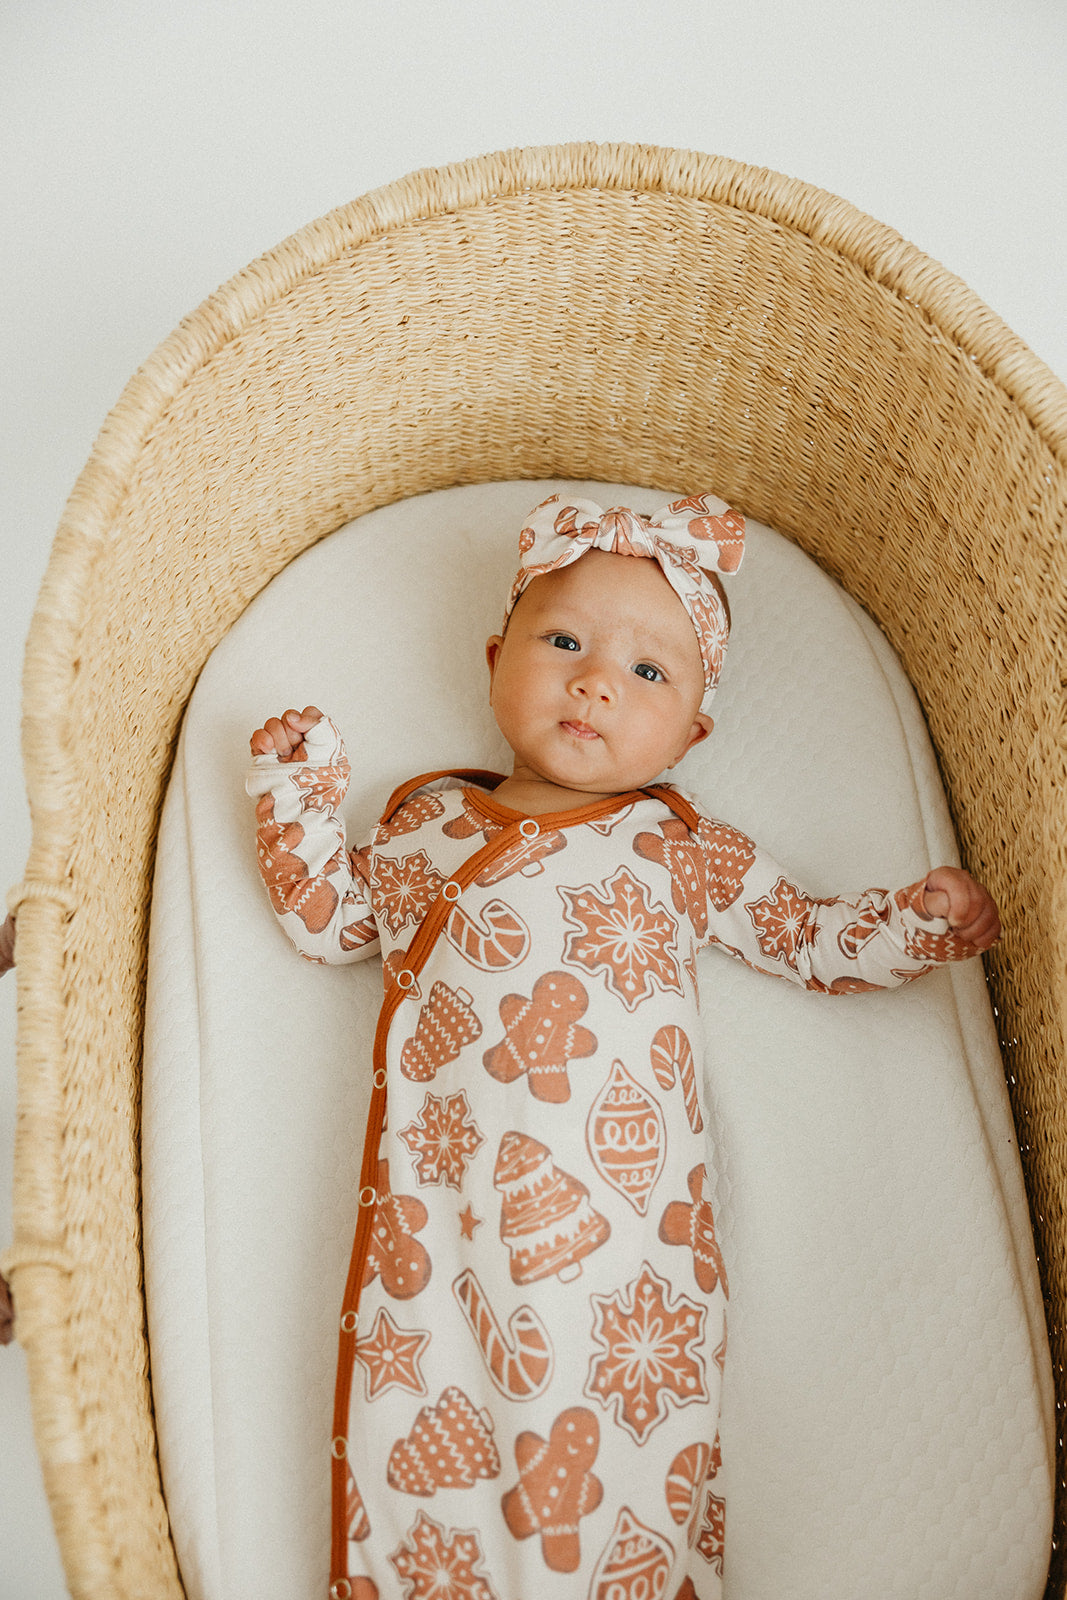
(737, 897)
(320, 891)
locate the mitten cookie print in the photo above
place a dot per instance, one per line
(446, 1023)
(450, 1446)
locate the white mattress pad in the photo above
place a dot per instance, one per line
(887, 1425)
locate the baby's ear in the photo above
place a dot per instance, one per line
(492, 652)
(702, 726)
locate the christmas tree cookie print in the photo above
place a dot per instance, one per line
(546, 1218)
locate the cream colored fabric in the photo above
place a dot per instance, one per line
(886, 1411)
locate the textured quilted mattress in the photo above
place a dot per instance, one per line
(887, 1423)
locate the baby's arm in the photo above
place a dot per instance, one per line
(319, 890)
(874, 940)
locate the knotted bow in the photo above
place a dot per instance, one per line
(689, 538)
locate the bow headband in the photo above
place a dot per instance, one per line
(689, 538)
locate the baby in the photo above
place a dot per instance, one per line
(533, 1329)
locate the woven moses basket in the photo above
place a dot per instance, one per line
(598, 312)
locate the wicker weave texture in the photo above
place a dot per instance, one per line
(610, 312)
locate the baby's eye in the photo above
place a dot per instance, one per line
(645, 669)
(563, 641)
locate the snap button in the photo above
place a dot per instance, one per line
(367, 1195)
(405, 978)
(451, 890)
(380, 1077)
(340, 1448)
(350, 1322)
(341, 1590)
(529, 828)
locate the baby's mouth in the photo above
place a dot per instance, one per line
(581, 730)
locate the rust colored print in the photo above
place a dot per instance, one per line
(627, 1138)
(622, 934)
(435, 1563)
(527, 856)
(394, 963)
(556, 1487)
(442, 1139)
(685, 1481)
(712, 1536)
(493, 941)
(390, 1357)
(405, 888)
(672, 1055)
(469, 822)
(782, 922)
(394, 1254)
(410, 817)
(450, 1446)
(546, 1219)
(542, 1035)
(357, 1522)
(635, 1563)
(313, 900)
(646, 1360)
(694, 1225)
(871, 920)
(706, 867)
(446, 1023)
(519, 1362)
(320, 788)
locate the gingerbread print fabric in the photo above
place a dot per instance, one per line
(534, 1331)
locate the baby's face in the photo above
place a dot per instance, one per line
(597, 684)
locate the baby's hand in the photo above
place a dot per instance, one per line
(285, 734)
(968, 908)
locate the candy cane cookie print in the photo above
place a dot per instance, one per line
(493, 941)
(520, 1365)
(673, 1054)
(685, 1481)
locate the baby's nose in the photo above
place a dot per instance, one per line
(595, 682)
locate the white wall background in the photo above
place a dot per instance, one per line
(150, 150)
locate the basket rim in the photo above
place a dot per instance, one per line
(829, 221)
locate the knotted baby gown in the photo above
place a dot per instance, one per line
(533, 1332)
